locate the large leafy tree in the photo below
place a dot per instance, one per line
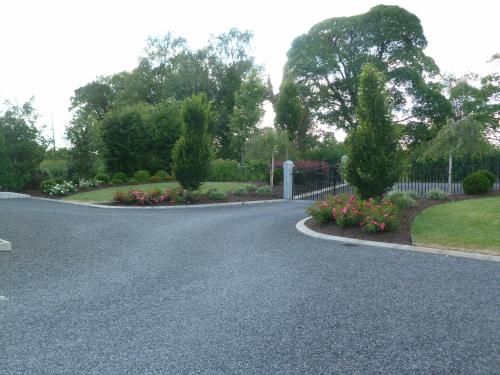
(124, 134)
(193, 151)
(248, 111)
(329, 58)
(21, 147)
(292, 112)
(83, 136)
(477, 98)
(465, 137)
(372, 163)
(169, 69)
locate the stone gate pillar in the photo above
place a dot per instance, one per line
(288, 179)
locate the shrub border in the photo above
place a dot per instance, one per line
(301, 227)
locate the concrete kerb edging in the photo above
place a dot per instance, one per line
(96, 205)
(301, 227)
(5, 245)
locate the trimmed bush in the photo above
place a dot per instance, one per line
(225, 170)
(216, 195)
(241, 192)
(155, 179)
(436, 194)
(250, 187)
(402, 199)
(265, 190)
(120, 176)
(47, 184)
(162, 174)
(191, 196)
(490, 176)
(133, 181)
(476, 183)
(102, 177)
(116, 181)
(142, 175)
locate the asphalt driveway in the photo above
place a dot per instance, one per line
(227, 291)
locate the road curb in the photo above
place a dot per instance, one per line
(5, 245)
(301, 227)
(96, 205)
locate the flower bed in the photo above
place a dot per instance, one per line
(180, 196)
(371, 215)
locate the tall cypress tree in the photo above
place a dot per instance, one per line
(193, 151)
(372, 165)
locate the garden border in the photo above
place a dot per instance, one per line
(184, 206)
(301, 227)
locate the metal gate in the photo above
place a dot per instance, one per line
(318, 183)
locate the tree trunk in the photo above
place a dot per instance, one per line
(450, 172)
(271, 177)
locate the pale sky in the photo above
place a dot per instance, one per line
(50, 48)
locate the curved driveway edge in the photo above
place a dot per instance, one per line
(96, 205)
(301, 227)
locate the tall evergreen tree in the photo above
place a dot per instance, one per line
(372, 164)
(193, 151)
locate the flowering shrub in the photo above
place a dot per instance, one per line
(437, 194)
(348, 211)
(155, 196)
(59, 189)
(85, 184)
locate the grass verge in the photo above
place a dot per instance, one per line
(471, 225)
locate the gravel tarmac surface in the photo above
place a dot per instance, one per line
(231, 290)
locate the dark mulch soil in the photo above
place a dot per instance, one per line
(403, 234)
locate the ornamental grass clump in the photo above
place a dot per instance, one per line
(373, 215)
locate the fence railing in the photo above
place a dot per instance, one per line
(317, 183)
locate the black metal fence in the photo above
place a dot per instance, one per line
(317, 183)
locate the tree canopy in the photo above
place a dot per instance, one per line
(329, 58)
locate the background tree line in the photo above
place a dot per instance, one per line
(131, 120)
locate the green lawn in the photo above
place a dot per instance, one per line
(469, 225)
(106, 194)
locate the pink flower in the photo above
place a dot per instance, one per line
(344, 210)
(382, 226)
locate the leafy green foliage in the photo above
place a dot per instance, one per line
(120, 177)
(103, 177)
(264, 190)
(155, 179)
(142, 175)
(292, 115)
(241, 191)
(402, 199)
(21, 150)
(372, 164)
(132, 181)
(53, 168)
(329, 58)
(464, 137)
(193, 151)
(476, 183)
(162, 174)
(247, 111)
(437, 194)
(489, 175)
(83, 136)
(216, 195)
